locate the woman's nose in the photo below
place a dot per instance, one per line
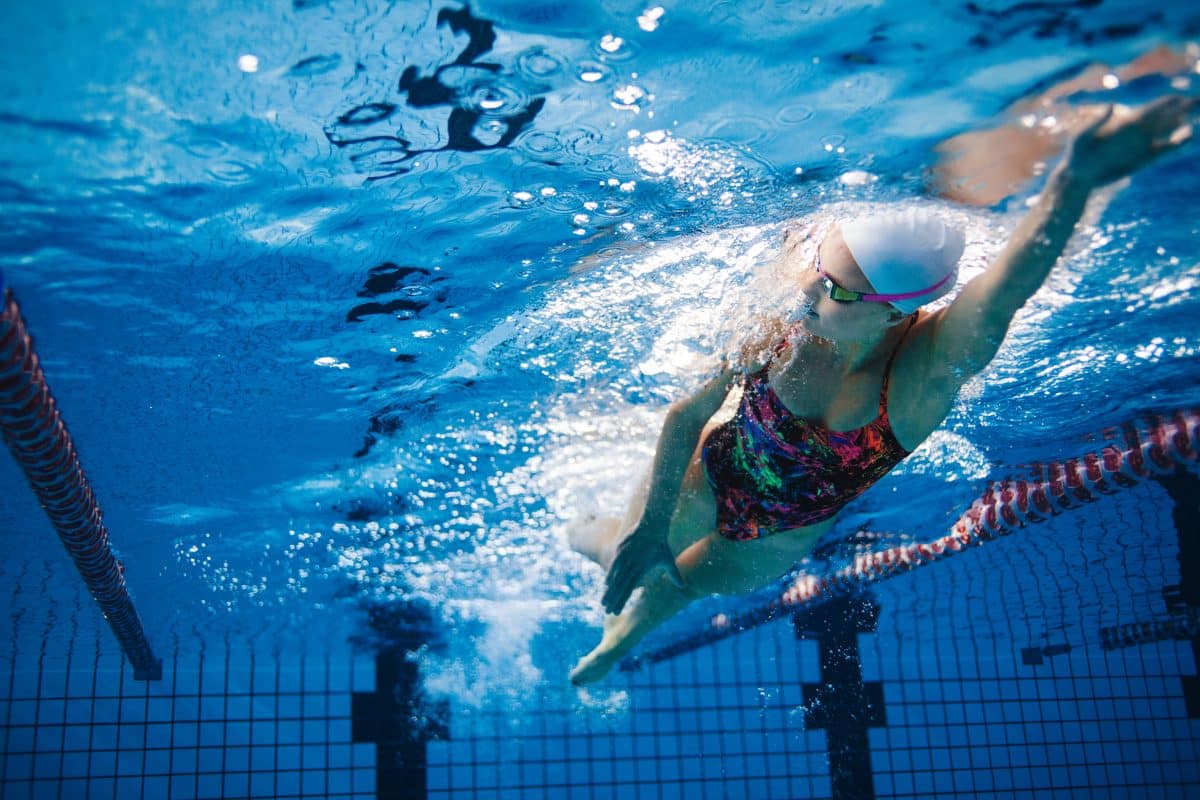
(810, 292)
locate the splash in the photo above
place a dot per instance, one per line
(494, 669)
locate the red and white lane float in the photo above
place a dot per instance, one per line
(1005, 506)
(33, 429)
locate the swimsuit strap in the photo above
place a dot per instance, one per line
(887, 370)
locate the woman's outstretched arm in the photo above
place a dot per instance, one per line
(968, 333)
(984, 166)
(645, 548)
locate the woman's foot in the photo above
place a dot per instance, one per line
(659, 600)
(596, 538)
(615, 643)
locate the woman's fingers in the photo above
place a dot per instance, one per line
(613, 602)
(1169, 123)
(1115, 143)
(1169, 112)
(1180, 135)
(630, 567)
(618, 594)
(1168, 127)
(1174, 138)
(627, 569)
(1163, 117)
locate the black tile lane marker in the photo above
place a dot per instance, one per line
(396, 716)
(842, 704)
(1184, 600)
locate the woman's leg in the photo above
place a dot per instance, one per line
(712, 565)
(659, 601)
(597, 538)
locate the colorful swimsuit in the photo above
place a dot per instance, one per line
(772, 471)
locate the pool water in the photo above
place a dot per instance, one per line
(353, 308)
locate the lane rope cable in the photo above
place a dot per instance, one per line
(38, 439)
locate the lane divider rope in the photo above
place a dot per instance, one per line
(35, 434)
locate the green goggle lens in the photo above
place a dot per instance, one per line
(840, 294)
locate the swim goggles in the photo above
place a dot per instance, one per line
(843, 295)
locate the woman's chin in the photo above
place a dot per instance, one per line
(819, 329)
(812, 324)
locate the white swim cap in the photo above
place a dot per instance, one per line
(906, 251)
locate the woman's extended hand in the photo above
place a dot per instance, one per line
(1120, 140)
(640, 552)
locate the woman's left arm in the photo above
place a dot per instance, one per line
(966, 335)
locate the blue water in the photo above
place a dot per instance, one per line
(344, 306)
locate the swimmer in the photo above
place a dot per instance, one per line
(860, 376)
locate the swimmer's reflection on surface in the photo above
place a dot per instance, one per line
(856, 375)
(463, 125)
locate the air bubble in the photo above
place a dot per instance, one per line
(593, 72)
(615, 48)
(540, 143)
(650, 18)
(794, 115)
(857, 177)
(743, 129)
(521, 199)
(630, 97)
(538, 63)
(585, 142)
(609, 44)
(833, 143)
(230, 172)
(495, 98)
(488, 132)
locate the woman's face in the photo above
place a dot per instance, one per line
(833, 319)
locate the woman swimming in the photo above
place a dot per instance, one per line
(729, 507)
